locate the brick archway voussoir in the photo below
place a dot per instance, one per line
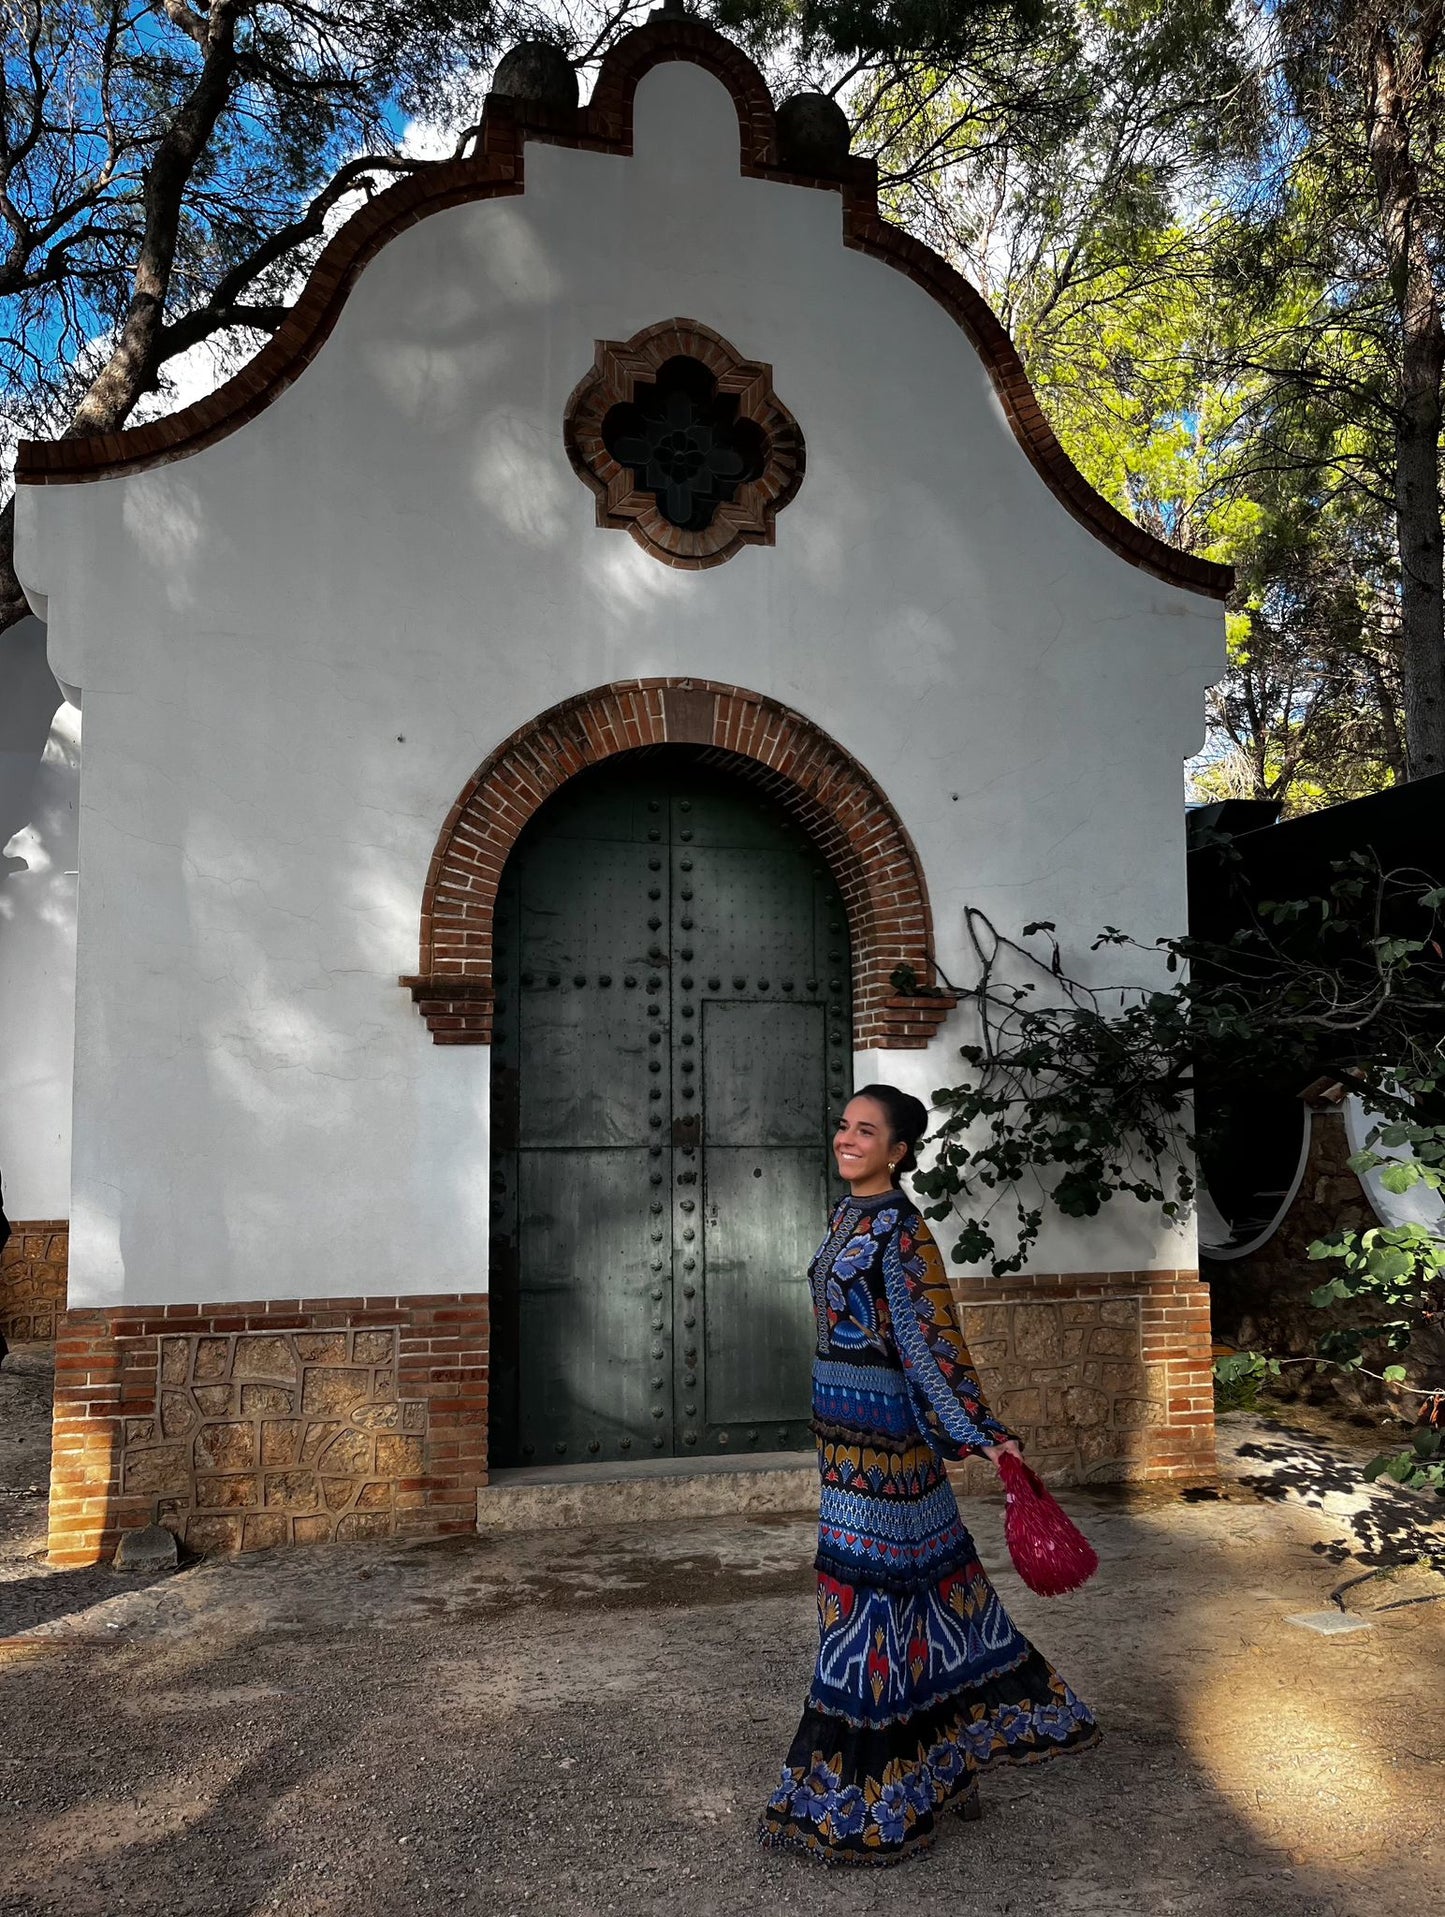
(827, 792)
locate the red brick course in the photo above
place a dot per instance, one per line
(821, 786)
(605, 125)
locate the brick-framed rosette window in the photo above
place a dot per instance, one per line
(685, 443)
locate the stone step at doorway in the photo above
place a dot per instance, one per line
(583, 1496)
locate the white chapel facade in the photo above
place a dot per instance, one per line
(544, 720)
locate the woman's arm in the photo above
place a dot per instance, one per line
(947, 1396)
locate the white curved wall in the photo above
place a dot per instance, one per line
(296, 647)
(39, 794)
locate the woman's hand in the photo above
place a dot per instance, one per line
(1009, 1448)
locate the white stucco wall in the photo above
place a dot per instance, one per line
(296, 647)
(39, 796)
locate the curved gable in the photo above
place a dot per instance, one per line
(606, 125)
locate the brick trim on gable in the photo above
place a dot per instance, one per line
(821, 786)
(605, 125)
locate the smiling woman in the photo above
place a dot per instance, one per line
(922, 1679)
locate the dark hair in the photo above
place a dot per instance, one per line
(907, 1120)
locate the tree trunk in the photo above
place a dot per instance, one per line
(1404, 224)
(131, 368)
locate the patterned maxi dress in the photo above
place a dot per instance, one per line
(922, 1679)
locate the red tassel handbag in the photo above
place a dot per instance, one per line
(1050, 1552)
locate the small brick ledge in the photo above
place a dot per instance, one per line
(33, 1269)
(292, 1421)
(605, 126)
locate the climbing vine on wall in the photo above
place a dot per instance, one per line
(1076, 1094)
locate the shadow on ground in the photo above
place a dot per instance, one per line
(587, 1723)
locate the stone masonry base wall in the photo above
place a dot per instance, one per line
(32, 1279)
(1106, 1376)
(288, 1422)
(301, 1421)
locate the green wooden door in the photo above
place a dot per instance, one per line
(672, 1042)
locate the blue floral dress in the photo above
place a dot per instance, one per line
(922, 1679)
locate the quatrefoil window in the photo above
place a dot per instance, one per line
(684, 443)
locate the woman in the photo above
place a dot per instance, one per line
(922, 1680)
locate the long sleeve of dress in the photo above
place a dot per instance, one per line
(948, 1401)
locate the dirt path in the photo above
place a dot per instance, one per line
(586, 1724)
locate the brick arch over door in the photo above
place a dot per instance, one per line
(786, 756)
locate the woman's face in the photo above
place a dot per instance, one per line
(862, 1146)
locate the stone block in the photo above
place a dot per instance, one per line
(333, 1391)
(312, 1530)
(413, 1415)
(150, 1549)
(1113, 1341)
(265, 1530)
(175, 1360)
(1083, 1405)
(267, 1401)
(1051, 1374)
(292, 1491)
(225, 1494)
(1119, 1311)
(988, 1353)
(982, 1322)
(264, 1354)
(337, 1492)
(215, 1400)
(373, 1347)
(140, 1430)
(398, 1457)
(322, 1347)
(212, 1534)
(349, 1455)
(1038, 1334)
(1107, 1443)
(1073, 1344)
(1015, 1407)
(1139, 1411)
(165, 1467)
(374, 1497)
(378, 1417)
(1079, 1311)
(178, 1414)
(1115, 1376)
(383, 1384)
(363, 1524)
(225, 1447)
(281, 1441)
(213, 1357)
(317, 1437)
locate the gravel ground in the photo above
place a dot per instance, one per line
(587, 1723)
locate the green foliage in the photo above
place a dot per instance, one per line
(1077, 1094)
(1238, 1378)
